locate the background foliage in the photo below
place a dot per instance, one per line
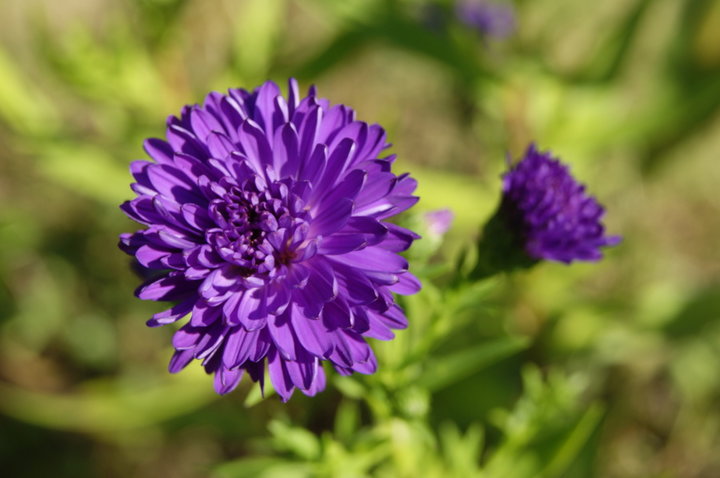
(607, 370)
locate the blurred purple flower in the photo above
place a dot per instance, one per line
(550, 211)
(268, 215)
(438, 222)
(489, 19)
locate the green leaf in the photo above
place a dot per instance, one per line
(461, 452)
(573, 444)
(85, 169)
(350, 387)
(444, 371)
(107, 407)
(347, 419)
(302, 443)
(263, 467)
(22, 106)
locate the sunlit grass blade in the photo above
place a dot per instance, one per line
(444, 371)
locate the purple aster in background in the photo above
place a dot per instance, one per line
(544, 214)
(557, 219)
(489, 19)
(267, 217)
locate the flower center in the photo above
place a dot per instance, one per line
(259, 229)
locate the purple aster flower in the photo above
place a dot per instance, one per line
(267, 217)
(491, 19)
(557, 219)
(544, 214)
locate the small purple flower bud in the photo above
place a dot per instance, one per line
(438, 222)
(544, 214)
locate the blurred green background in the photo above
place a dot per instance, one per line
(605, 370)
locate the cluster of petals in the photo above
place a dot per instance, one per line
(551, 212)
(266, 224)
